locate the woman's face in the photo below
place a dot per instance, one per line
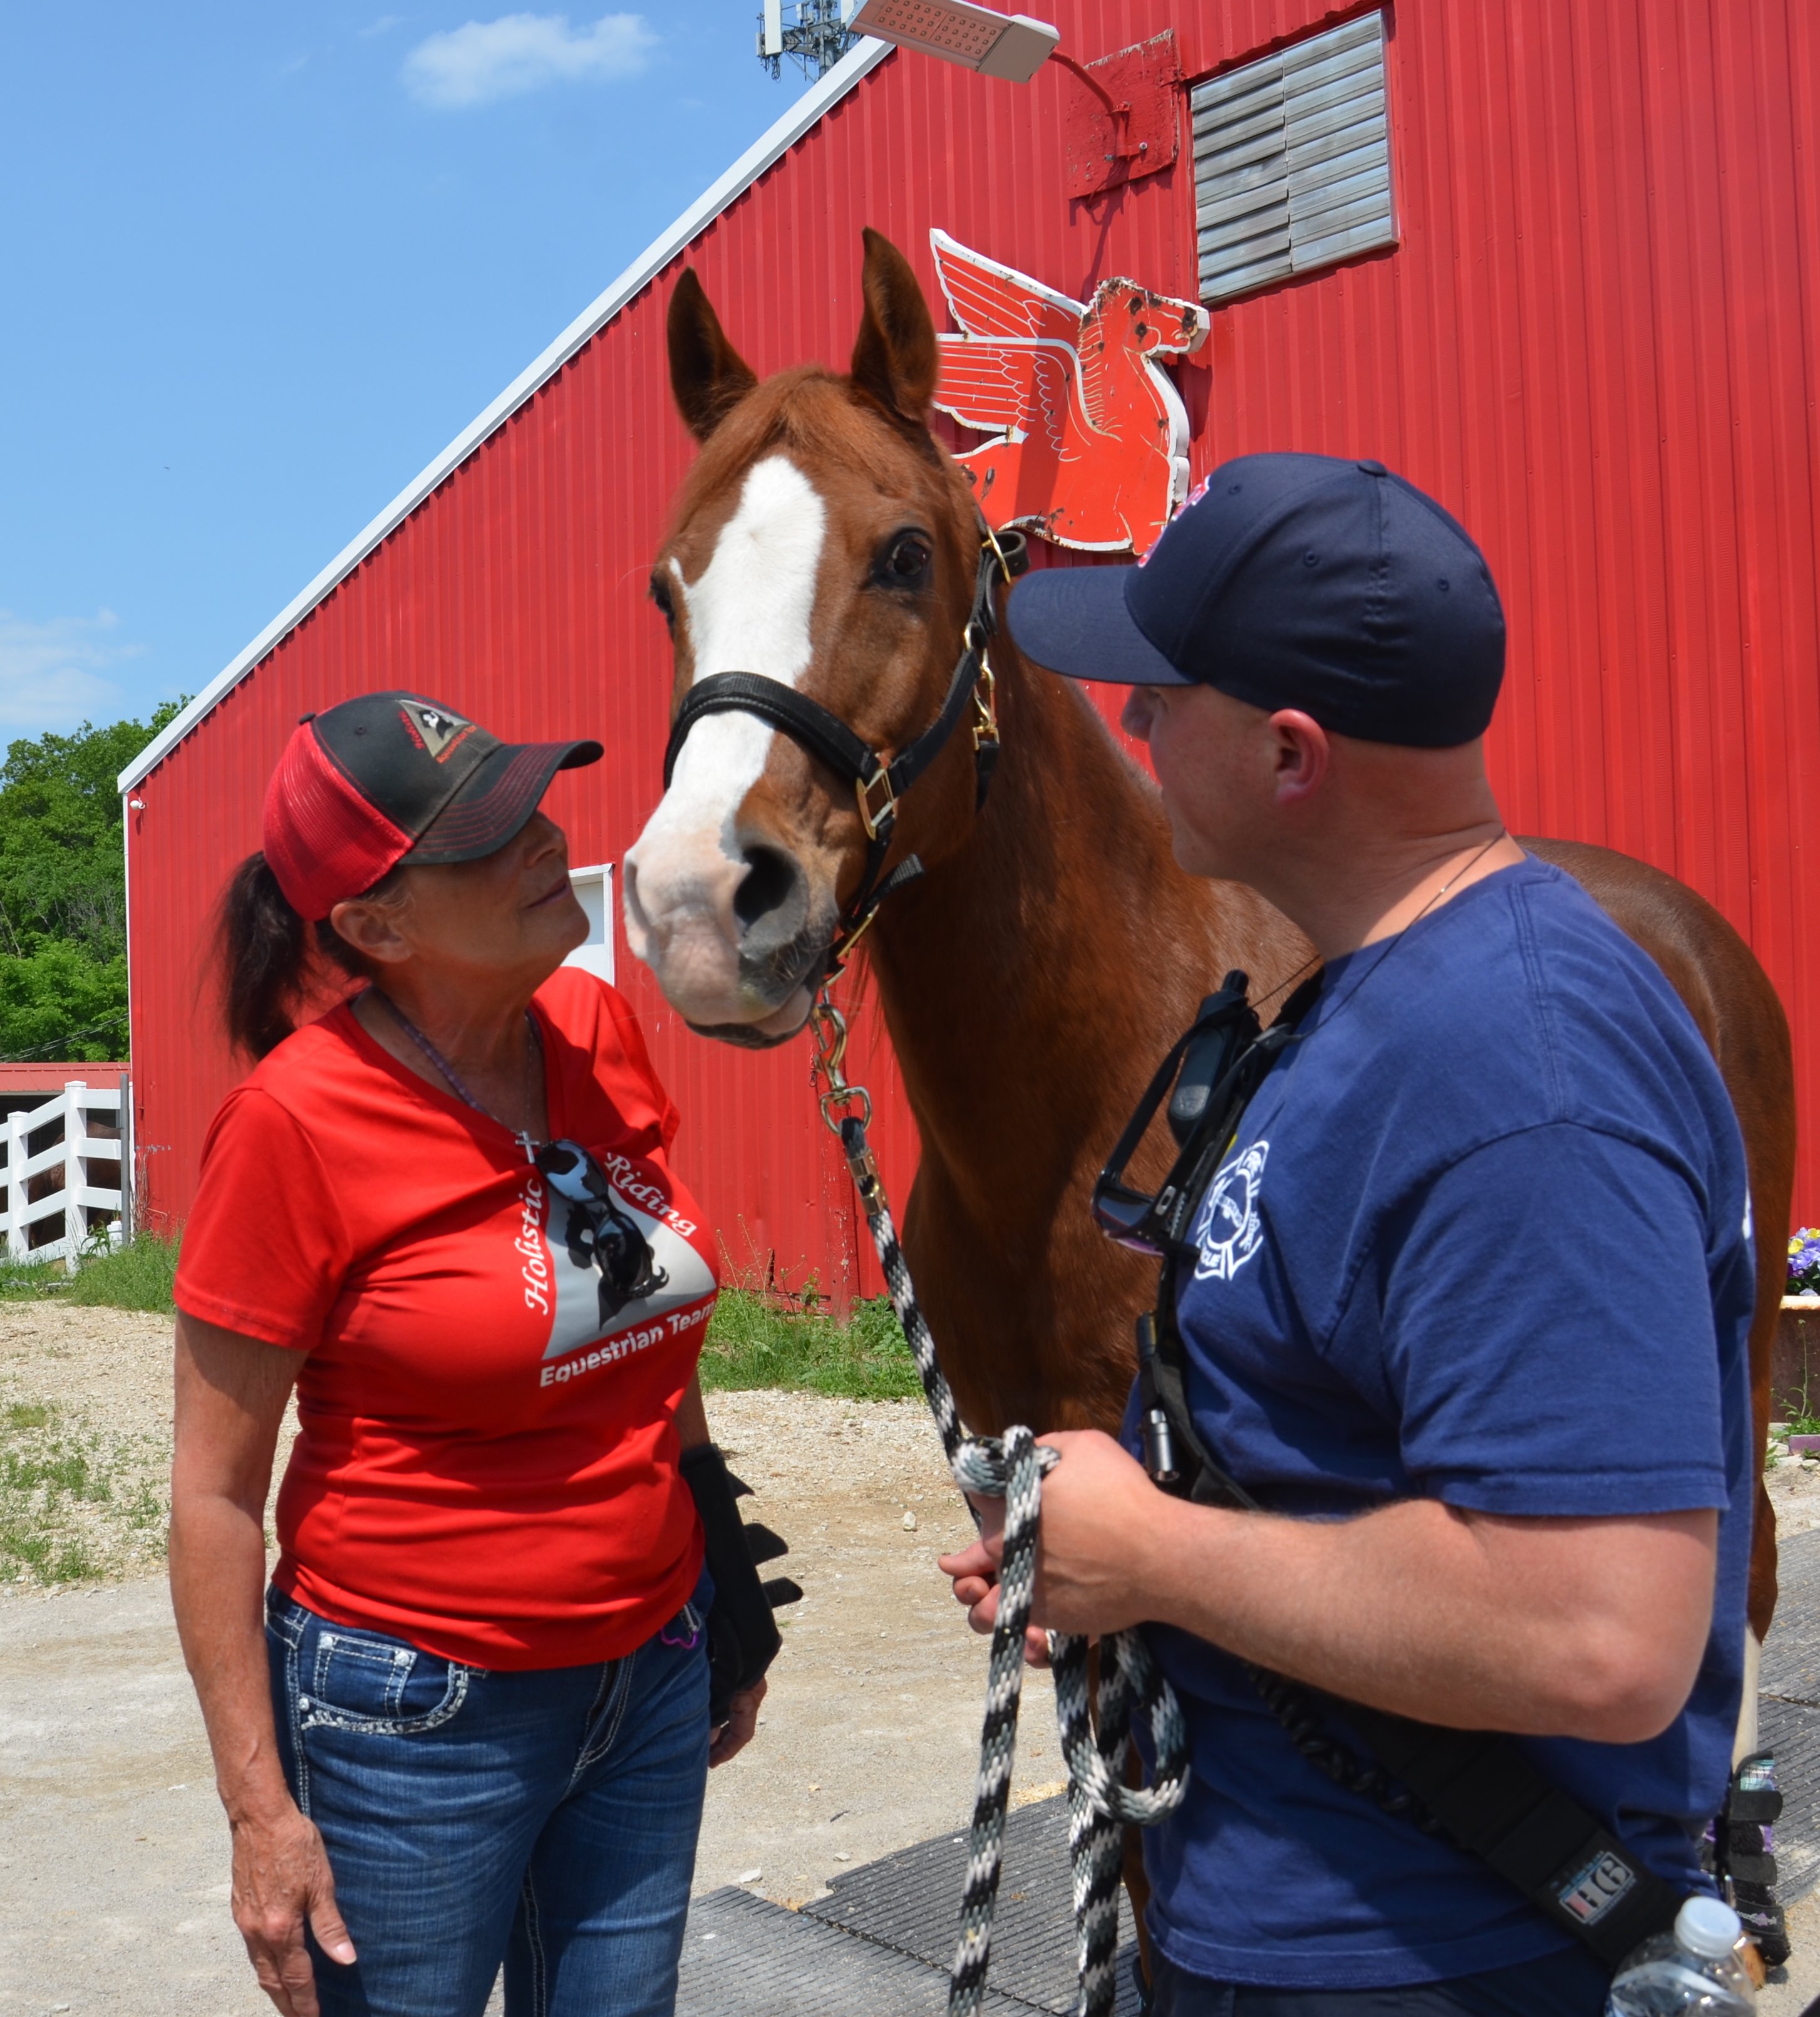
(510, 917)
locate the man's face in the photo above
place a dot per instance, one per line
(1212, 756)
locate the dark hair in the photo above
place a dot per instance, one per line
(270, 960)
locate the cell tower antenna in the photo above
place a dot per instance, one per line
(812, 34)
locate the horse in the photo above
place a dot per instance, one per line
(1052, 949)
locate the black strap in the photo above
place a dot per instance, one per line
(822, 733)
(1478, 1787)
(877, 783)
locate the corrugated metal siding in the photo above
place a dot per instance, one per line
(1598, 343)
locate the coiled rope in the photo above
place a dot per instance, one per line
(1010, 1467)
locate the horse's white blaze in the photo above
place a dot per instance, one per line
(749, 611)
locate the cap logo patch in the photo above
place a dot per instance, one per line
(435, 729)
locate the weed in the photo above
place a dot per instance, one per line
(30, 1280)
(73, 1504)
(752, 1343)
(136, 1276)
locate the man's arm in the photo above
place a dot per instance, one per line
(1589, 1627)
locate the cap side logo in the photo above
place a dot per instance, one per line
(434, 729)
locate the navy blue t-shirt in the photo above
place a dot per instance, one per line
(1482, 1237)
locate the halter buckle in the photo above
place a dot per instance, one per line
(985, 707)
(877, 801)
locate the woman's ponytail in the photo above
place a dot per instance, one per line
(273, 962)
(264, 952)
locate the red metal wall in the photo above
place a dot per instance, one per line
(1597, 343)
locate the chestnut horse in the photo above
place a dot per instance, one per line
(1052, 950)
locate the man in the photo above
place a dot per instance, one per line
(1468, 1300)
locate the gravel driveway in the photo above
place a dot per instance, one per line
(113, 1851)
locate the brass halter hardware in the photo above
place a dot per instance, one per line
(829, 1027)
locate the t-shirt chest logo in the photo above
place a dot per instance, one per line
(1229, 1230)
(591, 1323)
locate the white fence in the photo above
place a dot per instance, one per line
(54, 1184)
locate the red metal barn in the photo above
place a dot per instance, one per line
(1591, 325)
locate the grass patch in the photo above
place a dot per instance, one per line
(136, 1276)
(752, 1343)
(31, 1281)
(73, 1505)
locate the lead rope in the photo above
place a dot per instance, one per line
(1010, 1467)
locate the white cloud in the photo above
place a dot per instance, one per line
(50, 673)
(484, 60)
(378, 27)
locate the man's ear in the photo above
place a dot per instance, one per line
(895, 359)
(1303, 754)
(708, 376)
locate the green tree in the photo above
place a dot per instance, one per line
(63, 891)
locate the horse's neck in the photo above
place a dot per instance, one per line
(1034, 977)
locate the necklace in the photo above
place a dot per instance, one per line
(1417, 919)
(1314, 959)
(533, 1046)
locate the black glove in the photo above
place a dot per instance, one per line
(743, 1638)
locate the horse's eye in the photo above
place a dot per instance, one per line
(661, 596)
(906, 562)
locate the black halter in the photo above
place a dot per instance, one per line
(877, 784)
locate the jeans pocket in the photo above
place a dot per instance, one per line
(373, 1685)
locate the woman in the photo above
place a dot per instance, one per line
(477, 1725)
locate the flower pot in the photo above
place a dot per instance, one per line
(1794, 1375)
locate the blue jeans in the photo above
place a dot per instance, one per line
(1569, 1984)
(547, 1819)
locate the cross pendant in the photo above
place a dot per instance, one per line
(525, 1142)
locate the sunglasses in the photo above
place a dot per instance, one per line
(603, 1235)
(1213, 1067)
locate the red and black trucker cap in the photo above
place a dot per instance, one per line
(1303, 581)
(393, 777)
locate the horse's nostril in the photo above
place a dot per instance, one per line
(771, 880)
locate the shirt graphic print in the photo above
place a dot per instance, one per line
(1228, 1230)
(591, 1324)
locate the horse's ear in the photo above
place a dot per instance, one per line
(895, 357)
(708, 376)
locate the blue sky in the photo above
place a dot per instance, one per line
(262, 262)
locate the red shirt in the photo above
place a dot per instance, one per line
(487, 1464)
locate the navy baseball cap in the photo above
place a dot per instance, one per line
(1302, 581)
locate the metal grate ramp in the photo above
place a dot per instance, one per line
(1788, 1714)
(881, 1941)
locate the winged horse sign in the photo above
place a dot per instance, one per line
(1092, 438)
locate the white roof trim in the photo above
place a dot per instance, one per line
(762, 155)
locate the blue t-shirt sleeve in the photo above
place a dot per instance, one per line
(1549, 1331)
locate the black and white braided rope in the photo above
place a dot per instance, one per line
(1100, 1803)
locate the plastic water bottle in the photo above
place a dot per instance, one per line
(1694, 1969)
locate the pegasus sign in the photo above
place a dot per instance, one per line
(1092, 438)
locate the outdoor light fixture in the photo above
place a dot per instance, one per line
(1011, 46)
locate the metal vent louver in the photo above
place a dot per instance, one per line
(1292, 160)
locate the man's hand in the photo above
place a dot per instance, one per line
(281, 1879)
(1099, 1510)
(742, 1719)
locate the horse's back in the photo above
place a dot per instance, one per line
(1730, 998)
